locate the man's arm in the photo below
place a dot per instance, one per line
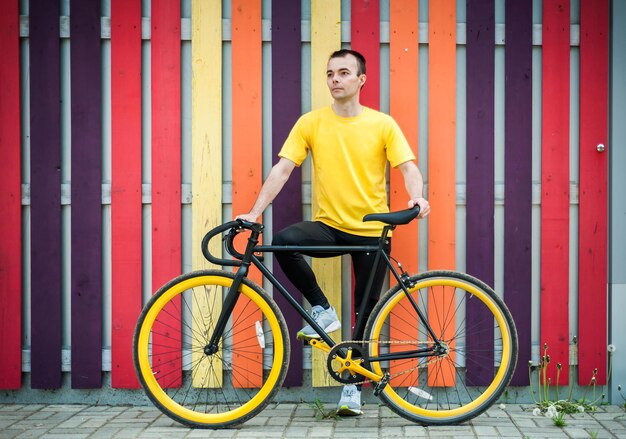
(414, 184)
(273, 184)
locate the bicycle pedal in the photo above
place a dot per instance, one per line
(310, 341)
(306, 340)
(380, 386)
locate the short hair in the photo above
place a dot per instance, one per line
(360, 59)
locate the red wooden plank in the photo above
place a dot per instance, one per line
(593, 197)
(365, 36)
(365, 39)
(166, 162)
(10, 201)
(125, 187)
(555, 185)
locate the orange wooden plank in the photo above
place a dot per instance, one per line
(441, 162)
(404, 104)
(247, 170)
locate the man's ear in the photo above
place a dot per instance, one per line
(363, 78)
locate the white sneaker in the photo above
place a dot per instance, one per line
(326, 318)
(350, 402)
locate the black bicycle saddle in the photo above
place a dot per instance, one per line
(394, 218)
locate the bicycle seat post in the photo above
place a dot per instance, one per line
(382, 242)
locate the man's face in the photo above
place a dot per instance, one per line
(341, 76)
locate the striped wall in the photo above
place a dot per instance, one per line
(172, 113)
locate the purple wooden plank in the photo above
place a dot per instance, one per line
(86, 195)
(480, 180)
(518, 177)
(45, 194)
(286, 108)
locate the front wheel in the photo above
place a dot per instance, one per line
(190, 382)
(477, 353)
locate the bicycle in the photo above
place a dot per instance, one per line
(440, 347)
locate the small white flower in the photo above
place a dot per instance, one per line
(537, 412)
(502, 406)
(551, 412)
(611, 348)
(581, 409)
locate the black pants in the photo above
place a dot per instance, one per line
(301, 275)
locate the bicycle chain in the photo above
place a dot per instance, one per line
(390, 376)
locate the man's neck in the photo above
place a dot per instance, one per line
(347, 109)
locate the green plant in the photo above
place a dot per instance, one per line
(321, 413)
(558, 406)
(593, 434)
(505, 397)
(559, 420)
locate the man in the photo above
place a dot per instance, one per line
(350, 146)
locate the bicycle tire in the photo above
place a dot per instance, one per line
(458, 386)
(209, 391)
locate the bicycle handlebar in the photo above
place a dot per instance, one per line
(235, 227)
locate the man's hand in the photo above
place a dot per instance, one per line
(423, 204)
(247, 217)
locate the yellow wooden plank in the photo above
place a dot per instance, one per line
(325, 39)
(206, 151)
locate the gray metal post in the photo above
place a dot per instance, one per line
(617, 200)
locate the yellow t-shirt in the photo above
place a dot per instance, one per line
(349, 155)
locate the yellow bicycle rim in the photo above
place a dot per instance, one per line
(159, 393)
(506, 347)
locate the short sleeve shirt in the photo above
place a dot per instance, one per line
(349, 157)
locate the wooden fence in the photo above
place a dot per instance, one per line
(163, 126)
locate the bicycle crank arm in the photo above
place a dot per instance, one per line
(347, 364)
(320, 344)
(356, 369)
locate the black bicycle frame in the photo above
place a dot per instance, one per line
(249, 258)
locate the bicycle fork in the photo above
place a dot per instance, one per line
(233, 292)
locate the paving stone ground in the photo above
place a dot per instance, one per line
(297, 421)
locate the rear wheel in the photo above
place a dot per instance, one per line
(187, 381)
(479, 347)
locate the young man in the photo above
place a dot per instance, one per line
(350, 146)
